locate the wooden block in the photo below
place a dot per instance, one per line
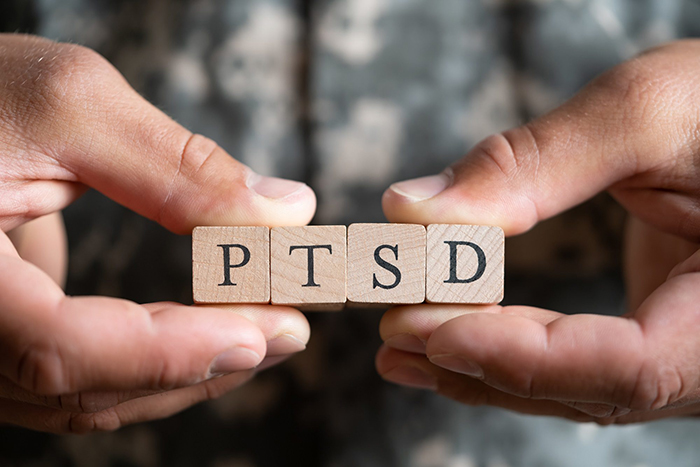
(231, 264)
(464, 264)
(308, 266)
(386, 263)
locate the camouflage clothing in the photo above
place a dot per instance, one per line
(350, 96)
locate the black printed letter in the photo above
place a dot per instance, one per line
(386, 265)
(481, 257)
(310, 255)
(227, 261)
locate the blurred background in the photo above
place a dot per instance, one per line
(350, 96)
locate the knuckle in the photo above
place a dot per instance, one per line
(655, 387)
(498, 150)
(641, 90)
(62, 77)
(104, 421)
(213, 389)
(70, 402)
(41, 370)
(644, 91)
(72, 67)
(511, 156)
(168, 377)
(191, 167)
(194, 155)
(515, 152)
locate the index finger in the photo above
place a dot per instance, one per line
(52, 344)
(642, 362)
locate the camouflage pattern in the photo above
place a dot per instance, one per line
(350, 96)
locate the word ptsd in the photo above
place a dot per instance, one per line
(325, 267)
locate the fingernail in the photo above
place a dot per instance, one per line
(284, 345)
(273, 187)
(458, 365)
(96, 402)
(420, 189)
(598, 410)
(412, 377)
(234, 359)
(593, 409)
(407, 343)
(271, 361)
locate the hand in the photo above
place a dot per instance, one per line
(634, 131)
(68, 121)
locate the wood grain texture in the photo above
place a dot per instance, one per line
(386, 263)
(459, 273)
(249, 283)
(291, 281)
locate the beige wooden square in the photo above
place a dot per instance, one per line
(231, 264)
(386, 263)
(308, 266)
(464, 264)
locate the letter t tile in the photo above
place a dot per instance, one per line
(308, 266)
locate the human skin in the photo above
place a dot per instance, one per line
(635, 132)
(70, 121)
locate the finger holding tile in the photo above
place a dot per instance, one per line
(286, 330)
(408, 328)
(416, 371)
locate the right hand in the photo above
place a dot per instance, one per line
(634, 131)
(68, 121)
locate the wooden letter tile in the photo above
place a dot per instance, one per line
(386, 263)
(308, 266)
(464, 264)
(231, 264)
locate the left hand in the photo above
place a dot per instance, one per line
(69, 121)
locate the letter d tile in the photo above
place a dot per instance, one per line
(464, 264)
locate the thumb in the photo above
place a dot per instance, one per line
(109, 138)
(619, 126)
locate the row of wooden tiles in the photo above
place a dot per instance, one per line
(327, 266)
